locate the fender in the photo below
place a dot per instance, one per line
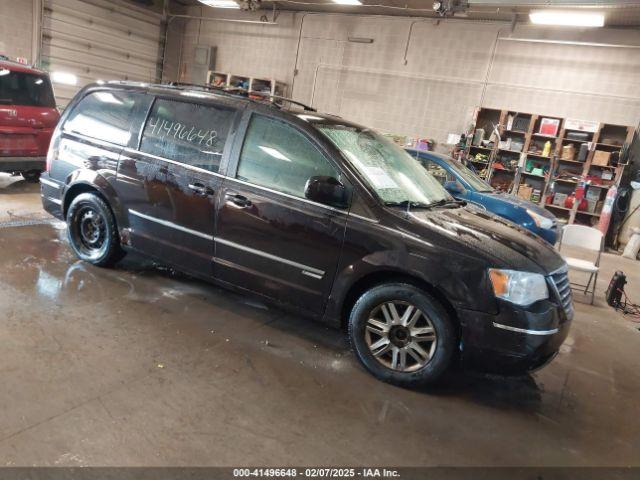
(94, 180)
(447, 273)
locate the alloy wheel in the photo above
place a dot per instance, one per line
(400, 336)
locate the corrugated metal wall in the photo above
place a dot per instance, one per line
(99, 40)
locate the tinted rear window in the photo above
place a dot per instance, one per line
(25, 89)
(104, 116)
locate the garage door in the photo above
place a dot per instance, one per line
(90, 40)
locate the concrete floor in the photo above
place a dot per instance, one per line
(19, 200)
(140, 366)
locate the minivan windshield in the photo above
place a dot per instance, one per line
(390, 171)
(25, 89)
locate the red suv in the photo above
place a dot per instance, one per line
(28, 116)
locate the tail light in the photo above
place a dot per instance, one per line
(52, 153)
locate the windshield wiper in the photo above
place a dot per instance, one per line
(447, 202)
(408, 204)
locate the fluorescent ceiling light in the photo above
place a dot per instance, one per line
(64, 78)
(348, 2)
(220, 3)
(567, 18)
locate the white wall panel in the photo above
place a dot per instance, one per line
(451, 67)
(266, 51)
(16, 27)
(99, 40)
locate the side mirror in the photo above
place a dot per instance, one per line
(326, 190)
(454, 187)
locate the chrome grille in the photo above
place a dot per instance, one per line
(562, 290)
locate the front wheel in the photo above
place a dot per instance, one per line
(92, 230)
(402, 335)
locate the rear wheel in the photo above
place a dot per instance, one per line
(32, 176)
(402, 335)
(92, 230)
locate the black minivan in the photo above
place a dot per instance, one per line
(320, 215)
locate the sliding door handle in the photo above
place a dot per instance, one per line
(201, 190)
(238, 200)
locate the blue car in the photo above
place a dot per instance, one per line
(463, 184)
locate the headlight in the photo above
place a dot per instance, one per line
(521, 288)
(540, 221)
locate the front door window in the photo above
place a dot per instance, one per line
(277, 156)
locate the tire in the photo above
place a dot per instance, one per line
(426, 325)
(92, 231)
(32, 176)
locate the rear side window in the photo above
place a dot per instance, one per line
(25, 89)
(104, 116)
(188, 133)
(278, 156)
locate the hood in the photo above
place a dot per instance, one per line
(520, 202)
(476, 232)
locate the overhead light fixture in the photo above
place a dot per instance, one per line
(567, 18)
(220, 3)
(348, 2)
(64, 78)
(360, 39)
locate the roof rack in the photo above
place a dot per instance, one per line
(306, 107)
(189, 85)
(233, 92)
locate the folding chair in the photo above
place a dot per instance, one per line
(586, 238)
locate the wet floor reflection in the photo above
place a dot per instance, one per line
(236, 371)
(45, 262)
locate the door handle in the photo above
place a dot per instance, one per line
(239, 200)
(201, 190)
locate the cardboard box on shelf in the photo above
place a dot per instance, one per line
(593, 194)
(559, 199)
(591, 205)
(601, 158)
(568, 152)
(525, 191)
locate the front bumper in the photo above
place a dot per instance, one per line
(516, 340)
(22, 164)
